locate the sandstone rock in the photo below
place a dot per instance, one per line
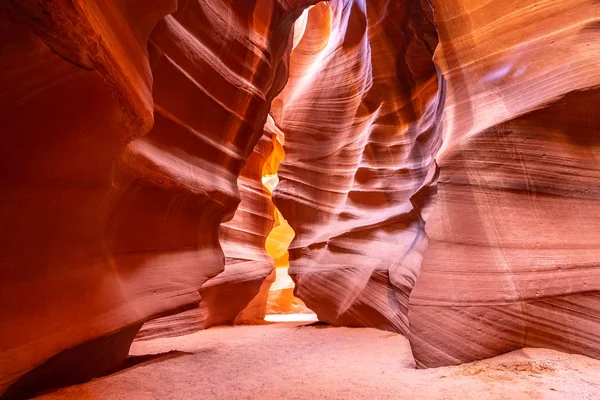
(360, 115)
(75, 87)
(114, 187)
(131, 151)
(247, 263)
(513, 237)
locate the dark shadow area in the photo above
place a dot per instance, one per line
(357, 27)
(147, 359)
(75, 365)
(316, 324)
(130, 363)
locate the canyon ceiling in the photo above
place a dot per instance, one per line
(438, 162)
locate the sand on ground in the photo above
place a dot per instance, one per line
(295, 361)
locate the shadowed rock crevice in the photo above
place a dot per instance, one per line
(79, 364)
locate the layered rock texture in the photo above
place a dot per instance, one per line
(513, 254)
(120, 159)
(239, 293)
(441, 174)
(513, 237)
(247, 262)
(75, 90)
(361, 116)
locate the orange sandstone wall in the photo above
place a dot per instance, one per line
(360, 115)
(76, 88)
(513, 237)
(126, 126)
(247, 263)
(119, 161)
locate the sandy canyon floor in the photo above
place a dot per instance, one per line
(299, 361)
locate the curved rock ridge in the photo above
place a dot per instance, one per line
(227, 297)
(247, 262)
(114, 186)
(138, 160)
(513, 236)
(360, 114)
(76, 85)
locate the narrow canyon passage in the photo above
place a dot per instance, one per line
(281, 305)
(414, 183)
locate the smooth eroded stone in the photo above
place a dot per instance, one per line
(361, 115)
(513, 236)
(120, 159)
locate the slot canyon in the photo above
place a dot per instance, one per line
(300, 199)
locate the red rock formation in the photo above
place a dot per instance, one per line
(247, 263)
(519, 166)
(360, 114)
(106, 225)
(76, 86)
(513, 250)
(121, 152)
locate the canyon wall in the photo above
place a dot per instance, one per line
(360, 114)
(512, 258)
(131, 131)
(76, 88)
(120, 158)
(232, 295)
(513, 236)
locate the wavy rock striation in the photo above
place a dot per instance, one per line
(361, 116)
(131, 130)
(513, 239)
(247, 263)
(230, 296)
(76, 86)
(114, 186)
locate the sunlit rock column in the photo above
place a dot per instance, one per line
(360, 115)
(513, 238)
